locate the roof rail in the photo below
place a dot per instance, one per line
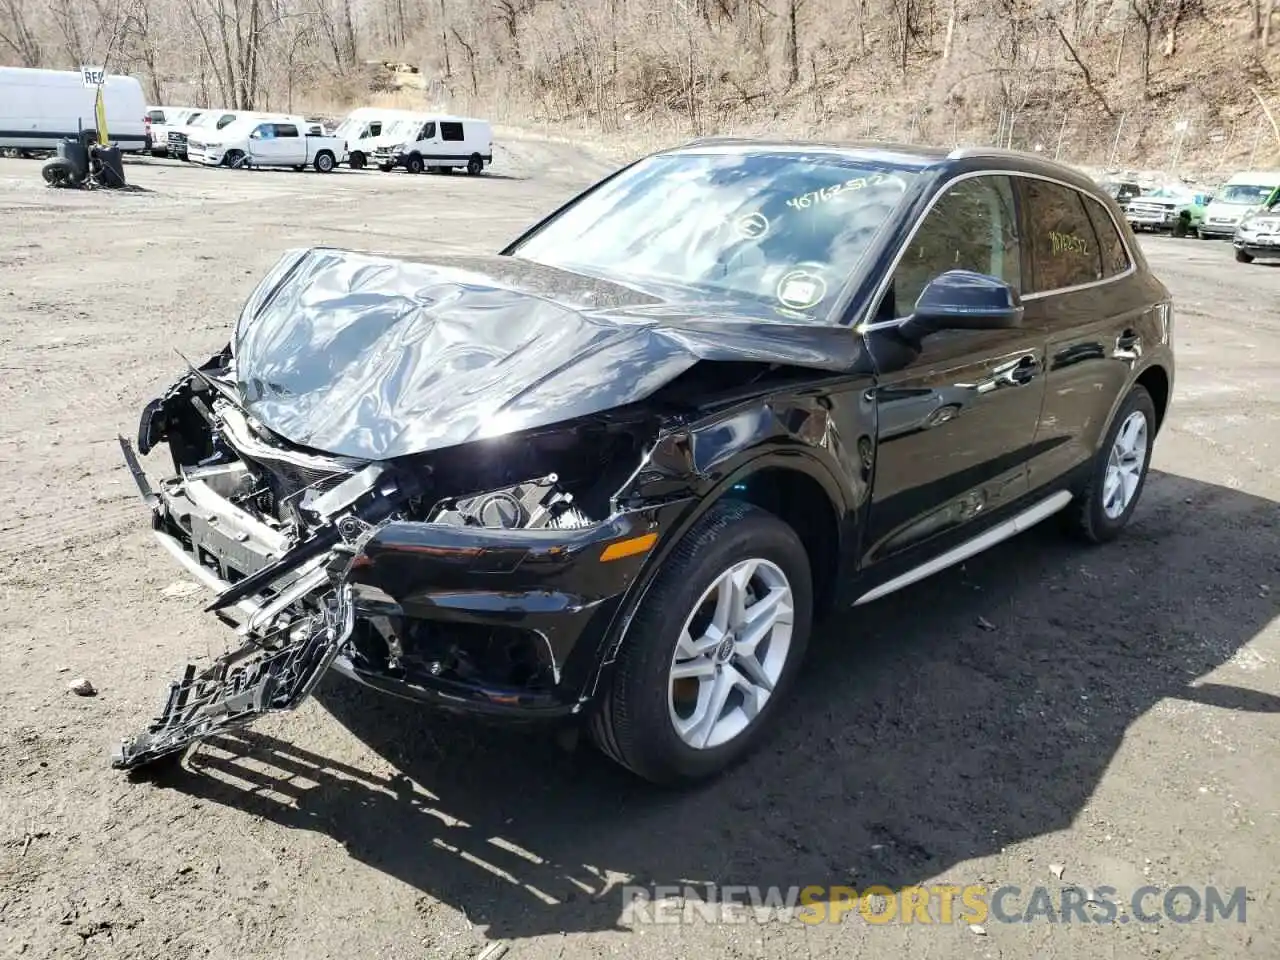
(961, 153)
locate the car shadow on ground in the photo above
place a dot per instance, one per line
(971, 711)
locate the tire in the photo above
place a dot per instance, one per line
(475, 165)
(324, 162)
(414, 164)
(1243, 257)
(635, 720)
(357, 161)
(233, 159)
(1092, 516)
(56, 172)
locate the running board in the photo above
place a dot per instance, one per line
(1002, 531)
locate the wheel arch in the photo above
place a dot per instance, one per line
(801, 490)
(1155, 379)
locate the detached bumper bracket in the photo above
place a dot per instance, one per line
(242, 685)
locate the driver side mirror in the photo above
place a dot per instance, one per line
(964, 300)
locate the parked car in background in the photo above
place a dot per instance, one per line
(1240, 196)
(269, 142)
(612, 474)
(439, 144)
(200, 120)
(364, 130)
(1162, 209)
(1121, 191)
(1258, 234)
(162, 119)
(40, 107)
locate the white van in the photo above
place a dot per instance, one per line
(364, 131)
(440, 143)
(1237, 198)
(40, 107)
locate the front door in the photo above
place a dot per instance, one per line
(956, 412)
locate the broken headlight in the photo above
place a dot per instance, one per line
(531, 504)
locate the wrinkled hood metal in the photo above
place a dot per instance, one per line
(377, 357)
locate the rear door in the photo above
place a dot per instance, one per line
(290, 145)
(1082, 299)
(956, 413)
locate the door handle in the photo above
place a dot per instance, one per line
(1026, 370)
(1129, 341)
(1015, 374)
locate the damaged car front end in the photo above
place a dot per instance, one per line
(454, 518)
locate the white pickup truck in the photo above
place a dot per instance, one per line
(255, 142)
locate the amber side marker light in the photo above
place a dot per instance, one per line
(629, 547)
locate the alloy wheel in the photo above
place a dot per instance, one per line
(732, 650)
(1125, 465)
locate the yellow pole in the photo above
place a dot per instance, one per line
(100, 111)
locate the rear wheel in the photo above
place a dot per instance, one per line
(324, 162)
(475, 165)
(1243, 257)
(1119, 472)
(712, 649)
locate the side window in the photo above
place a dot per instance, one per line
(1064, 248)
(428, 132)
(973, 226)
(375, 130)
(1115, 258)
(451, 131)
(286, 130)
(225, 119)
(262, 132)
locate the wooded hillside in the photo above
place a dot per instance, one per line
(1118, 82)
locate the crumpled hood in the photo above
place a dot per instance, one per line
(375, 357)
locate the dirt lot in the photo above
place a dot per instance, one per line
(1112, 712)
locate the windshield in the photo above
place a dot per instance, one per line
(785, 229)
(349, 128)
(1244, 193)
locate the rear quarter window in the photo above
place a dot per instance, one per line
(286, 130)
(1115, 256)
(451, 131)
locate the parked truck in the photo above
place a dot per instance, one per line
(258, 142)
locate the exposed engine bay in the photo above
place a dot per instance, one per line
(274, 529)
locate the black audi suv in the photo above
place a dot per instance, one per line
(614, 473)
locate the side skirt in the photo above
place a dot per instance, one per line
(1002, 531)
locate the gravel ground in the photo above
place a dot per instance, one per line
(1107, 714)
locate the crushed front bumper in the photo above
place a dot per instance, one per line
(390, 602)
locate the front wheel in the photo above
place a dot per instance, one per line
(1243, 257)
(414, 164)
(234, 159)
(324, 162)
(712, 649)
(1119, 472)
(356, 161)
